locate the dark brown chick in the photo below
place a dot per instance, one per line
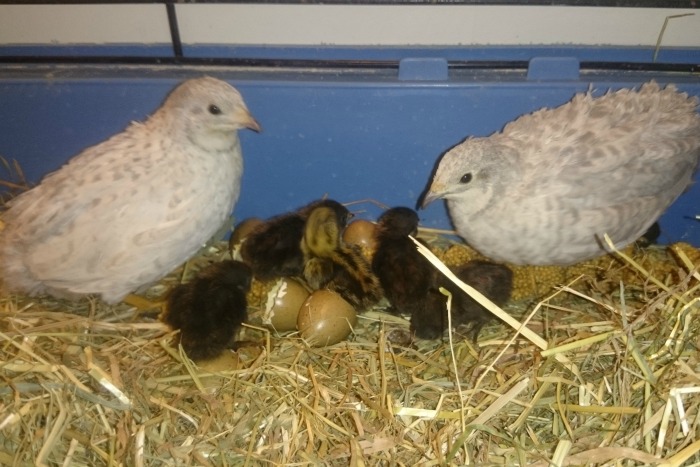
(406, 276)
(208, 309)
(272, 249)
(335, 266)
(493, 280)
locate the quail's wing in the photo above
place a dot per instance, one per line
(613, 166)
(614, 148)
(47, 209)
(134, 231)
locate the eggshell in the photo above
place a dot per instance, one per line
(284, 300)
(360, 232)
(241, 231)
(325, 318)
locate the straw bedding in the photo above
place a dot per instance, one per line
(608, 373)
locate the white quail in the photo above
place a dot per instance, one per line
(547, 188)
(124, 213)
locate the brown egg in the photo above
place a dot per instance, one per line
(325, 318)
(284, 300)
(360, 232)
(242, 230)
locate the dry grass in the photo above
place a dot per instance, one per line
(616, 384)
(604, 369)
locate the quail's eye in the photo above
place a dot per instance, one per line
(214, 109)
(466, 178)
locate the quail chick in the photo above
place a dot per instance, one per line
(546, 189)
(208, 309)
(273, 249)
(406, 277)
(319, 242)
(124, 213)
(495, 281)
(333, 265)
(650, 237)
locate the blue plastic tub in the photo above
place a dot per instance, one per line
(349, 123)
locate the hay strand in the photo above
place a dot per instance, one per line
(603, 369)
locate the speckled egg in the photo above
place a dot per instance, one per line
(325, 318)
(362, 233)
(240, 232)
(284, 300)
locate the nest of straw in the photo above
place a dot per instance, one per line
(602, 369)
(614, 376)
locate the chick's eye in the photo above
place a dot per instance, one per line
(214, 109)
(466, 178)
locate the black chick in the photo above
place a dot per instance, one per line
(331, 264)
(406, 276)
(650, 237)
(208, 309)
(495, 281)
(272, 249)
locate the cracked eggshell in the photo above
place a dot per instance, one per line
(284, 300)
(325, 318)
(240, 232)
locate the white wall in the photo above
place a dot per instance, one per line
(356, 25)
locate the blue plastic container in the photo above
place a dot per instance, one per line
(368, 129)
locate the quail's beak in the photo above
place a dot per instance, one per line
(246, 120)
(435, 191)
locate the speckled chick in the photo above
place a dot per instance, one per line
(208, 309)
(273, 248)
(405, 275)
(330, 264)
(547, 188)
(124, 213)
